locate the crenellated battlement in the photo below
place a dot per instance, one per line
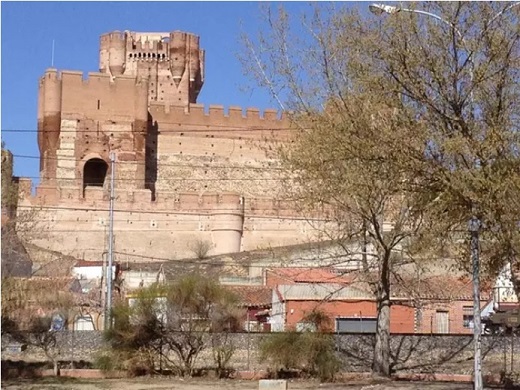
(224, 203)
(199, 114)
(91, 78)
(113, 35)
(95, 96)
(132, 199)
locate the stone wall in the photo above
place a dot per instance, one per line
(410, 353)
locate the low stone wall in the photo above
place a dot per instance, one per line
(410, 353)
(70, 346)
(429, 353)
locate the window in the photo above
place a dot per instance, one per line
(467, 321)
(442, 321)
(356, 325)
(467, 317)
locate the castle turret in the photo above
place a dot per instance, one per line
(194, 58)
(177, 55)
(117, 53)
(227, 223)
(173, 63)
(112, 53)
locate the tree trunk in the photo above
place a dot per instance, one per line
(515, 276)
(56, 368)
(381, 362)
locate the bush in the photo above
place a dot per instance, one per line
(312, 353)
(171, 324)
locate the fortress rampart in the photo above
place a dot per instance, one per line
(237, 122)
(184, 172)
(167, 227)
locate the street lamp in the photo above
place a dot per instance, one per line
(474, 223)
(379, 9)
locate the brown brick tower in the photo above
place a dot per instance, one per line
(172, 62)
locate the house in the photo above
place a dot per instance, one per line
(60, 298)
(84, 269)
(256, 300)
(443, 304)
(348, 309)
(437, 304)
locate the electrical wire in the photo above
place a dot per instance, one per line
(38, 207)
(209, 166)
(224, 129)
(167, 179)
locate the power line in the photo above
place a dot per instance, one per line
(158, 164)
(195, 212)
(211, 261)
(208, 129)
(166, 179)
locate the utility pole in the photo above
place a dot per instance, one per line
(108, 313)
(474, 226)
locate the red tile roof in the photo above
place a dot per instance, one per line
(253, 296)
(442, 287)
(311, 275)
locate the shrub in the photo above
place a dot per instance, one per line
(200, 248)
(308, 352)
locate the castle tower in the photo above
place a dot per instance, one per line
(173, 63)
(49, 122)
(80, 121)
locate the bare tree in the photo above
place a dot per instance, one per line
(29, 308)
(405, 127)
(200, 248)
(18, 226)
(176, 319)
(196, 306)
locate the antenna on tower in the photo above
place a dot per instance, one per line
(52, 55)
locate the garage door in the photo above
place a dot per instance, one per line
(356, 325)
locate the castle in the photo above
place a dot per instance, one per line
(184, 175)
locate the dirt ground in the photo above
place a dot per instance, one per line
(177, 384)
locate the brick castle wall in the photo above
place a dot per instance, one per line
(175, 159)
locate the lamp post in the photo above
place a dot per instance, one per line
(474, 223)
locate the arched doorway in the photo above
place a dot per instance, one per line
(94, 173)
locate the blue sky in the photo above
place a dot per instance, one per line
(28, 29)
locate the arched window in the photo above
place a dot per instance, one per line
(94, 173)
